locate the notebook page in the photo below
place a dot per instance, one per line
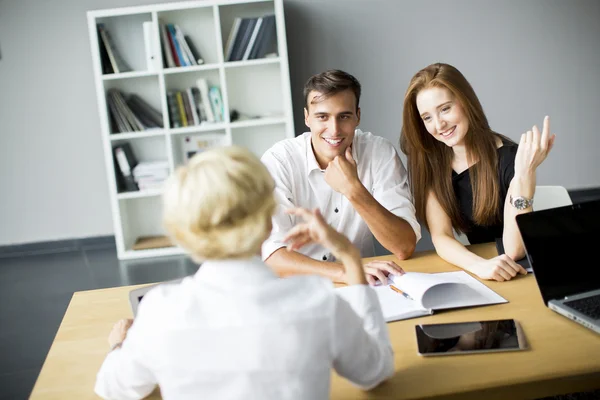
(395, 306)
(416, 284)
(460, 290)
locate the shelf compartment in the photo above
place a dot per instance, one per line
(259, 138)
(142, 217)
(185, 146)
(198, 23)
(246, 85)
(127, 34)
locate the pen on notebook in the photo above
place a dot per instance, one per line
(395, 289)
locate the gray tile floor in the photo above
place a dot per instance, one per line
(35, 290)
(36, 285)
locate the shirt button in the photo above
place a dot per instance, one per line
(324, 258)
(336, 210)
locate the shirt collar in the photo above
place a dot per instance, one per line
(230, 272)
(311, 160)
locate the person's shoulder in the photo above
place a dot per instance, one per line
(508, 147)
(368, 142)
(162, 300)
(286, 148)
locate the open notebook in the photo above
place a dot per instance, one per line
(415, 294)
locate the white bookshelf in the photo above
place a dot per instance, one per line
(259, 88)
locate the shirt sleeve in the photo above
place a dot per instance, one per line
(282, 222)
(125, 374)
(390, 186)
(362, 351)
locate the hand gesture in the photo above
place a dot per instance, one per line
(381, 270)
(533, 149)
(119, 332)
(500, 268)
(314, 229)
(341, 173)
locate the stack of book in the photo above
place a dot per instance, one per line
(111, 59)
(151, 175)
(251, 38)
(178, 49)
(195, 105)
(131, 113)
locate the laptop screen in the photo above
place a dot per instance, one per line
(562, 246)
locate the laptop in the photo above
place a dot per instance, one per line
(560, 244)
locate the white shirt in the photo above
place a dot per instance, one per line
(237, 331)
(300, 182)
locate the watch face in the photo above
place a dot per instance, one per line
(520, 203)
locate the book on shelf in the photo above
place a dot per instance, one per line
(231, 38)
(416, 294)
(187, 107)
(203, 87)
(243, 38)
(181, 55)
(193, 50)
(174, 115)
(104, 59)
(151, 175)
(125, 162)
(180, 38)
(193, 106)
(150, 48)
(148, 115)
(131, 114)
(266, 41)
(117, 62)
(181, 109)
(216, 103)
(168, 60)
(252, 38)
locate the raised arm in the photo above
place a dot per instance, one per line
(533, 150)
(361, 347)
(501, 268)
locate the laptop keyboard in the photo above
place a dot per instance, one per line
(589, 306)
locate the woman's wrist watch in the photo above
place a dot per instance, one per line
(520, 202)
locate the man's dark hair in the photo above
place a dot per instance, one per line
(330, 83)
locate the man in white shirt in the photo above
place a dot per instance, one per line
(356, 179)
(235, 330)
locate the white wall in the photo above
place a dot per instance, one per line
(525, 59)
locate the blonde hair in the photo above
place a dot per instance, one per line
(220, 204)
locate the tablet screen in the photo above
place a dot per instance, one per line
(469, 337)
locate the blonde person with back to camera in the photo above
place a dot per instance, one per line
(235, 330)
(464, 176)
(356, 179)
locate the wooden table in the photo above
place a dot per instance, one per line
(563, 356)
